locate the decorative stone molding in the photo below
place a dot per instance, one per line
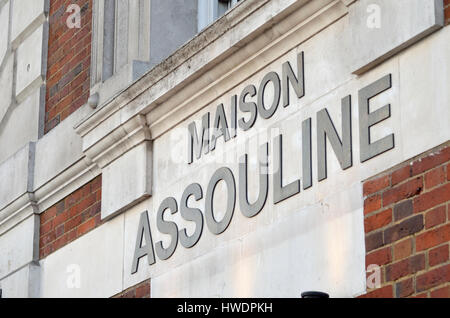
(348, 2)
(181, 85)
(392, 26)
(116, 142)
(37, 201)
(112, 153)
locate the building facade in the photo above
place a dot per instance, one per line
(210, 148)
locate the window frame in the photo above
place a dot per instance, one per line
(211, 10)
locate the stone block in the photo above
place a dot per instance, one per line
(24, 283)
(31, 66)
(18, 246)
(15, 175)
(382, 28)
(6, 83)
(26, 17)
(4, 26)
(127, 180)
(58, 149)
(21, 125)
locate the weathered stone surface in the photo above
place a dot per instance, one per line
(382, 28)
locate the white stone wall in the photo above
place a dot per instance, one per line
(312, 241)
(138, 141)
(23, 48)
(23, 53)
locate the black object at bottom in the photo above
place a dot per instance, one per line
(314, 294)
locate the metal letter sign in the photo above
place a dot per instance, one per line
(369, 149)
(147, 249)
(218, 227)
(250, 210)
(252, 104)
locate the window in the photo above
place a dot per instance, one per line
(211, 10)
(120, 36)
(132, 36)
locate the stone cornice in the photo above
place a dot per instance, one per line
(120, 140)
(169, 65)
(184, 82)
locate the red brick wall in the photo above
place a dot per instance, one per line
(447, 11)
(406, 220)
(69, 58)
(70, 218)
(141, 290)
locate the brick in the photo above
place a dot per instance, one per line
(421, 295)
(87, 202)
(433, 278)
(96, 184)
(433, 237)
(431, 199)
(59, 230)
(443, 292)
(64, 222)
(48, 215)
(448, 172)
(61, 218)
(85, 215)
(62, 241)
(405, 228)
(47, 238)
(378, 220)
(71, 236)
(86, 189)
(379, 257)
(72, 223)
(374, 241)
(403, 249)
(68, 57)
(373, 186)
(403, 210)
(403, 191)
(74, 211)
(98, 195)
(405, 267)
(435, 177)
(383, 292)
(431, 161)
(46, 228)
(447, 15)
(95, 209)
(438, 255)
(435, 217)
(129, 294)
(372, 203)
(143, 291)
(73, 199)
(404, 288)
(60, 207)
(401, 175)
(86, 227)
(98, 220)
(43, 252)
